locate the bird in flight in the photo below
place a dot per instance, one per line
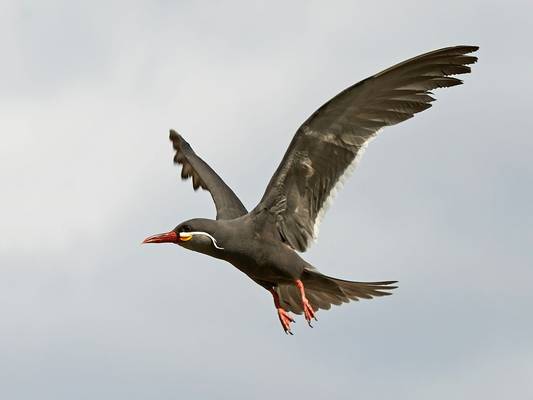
(264, 242)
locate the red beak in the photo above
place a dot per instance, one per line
(169, 237)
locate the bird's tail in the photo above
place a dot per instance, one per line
(322, 291)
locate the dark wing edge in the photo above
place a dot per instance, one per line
(227, 203)
(329, 144)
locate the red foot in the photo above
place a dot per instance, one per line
(285, 320)
(308, 310)
(283, 315)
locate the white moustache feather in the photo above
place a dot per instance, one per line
(185, 234)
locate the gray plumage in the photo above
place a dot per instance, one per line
(263, 243)
(226, 202)
(332, 137)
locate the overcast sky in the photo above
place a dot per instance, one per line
(443, 202)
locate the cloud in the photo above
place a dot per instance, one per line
(442, 202)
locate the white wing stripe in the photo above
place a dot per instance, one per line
(339, 184)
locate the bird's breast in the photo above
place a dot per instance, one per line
(266, 261)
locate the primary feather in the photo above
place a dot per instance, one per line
(226, 201)
(331, 141)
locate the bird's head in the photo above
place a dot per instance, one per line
(195, 234)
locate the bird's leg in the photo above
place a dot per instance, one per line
(283, 315)
(308, 310)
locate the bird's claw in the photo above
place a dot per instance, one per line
(309, 313)
(285, 320)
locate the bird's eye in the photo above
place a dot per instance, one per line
(185, 228)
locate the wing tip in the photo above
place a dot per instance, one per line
(459, 49)
(175, 138)
(173, 134)
(178, 143)
(467, 48)
(472, 48)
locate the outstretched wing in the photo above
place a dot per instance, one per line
(226, 202)
(332, 140)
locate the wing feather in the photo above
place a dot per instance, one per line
(331, 141)
(227, 203)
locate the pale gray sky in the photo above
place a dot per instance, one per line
(443, 202)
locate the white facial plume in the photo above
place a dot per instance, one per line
(188, 234)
